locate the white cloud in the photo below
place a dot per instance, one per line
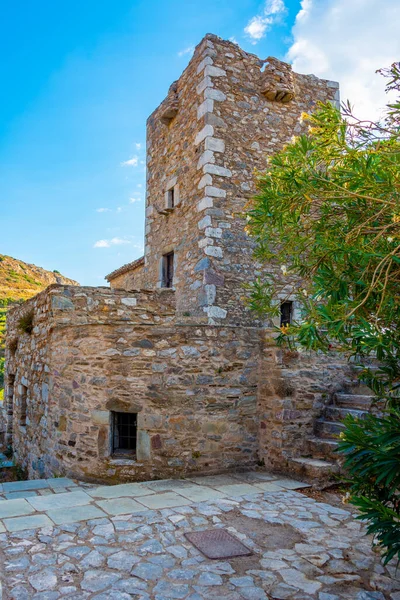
(188, 50)
(138, 145)
(102, 210)
(347, 41)
(135, 199)
(258, 26)
(116, 241)
(131, 162)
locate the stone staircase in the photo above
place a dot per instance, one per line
(320, 461)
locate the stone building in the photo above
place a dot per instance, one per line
(167, 372)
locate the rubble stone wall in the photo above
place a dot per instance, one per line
(129, 280)
(293, 388)
(225, 126)
(95, 350)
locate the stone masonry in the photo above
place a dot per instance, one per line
(172, 343)
(225, 125)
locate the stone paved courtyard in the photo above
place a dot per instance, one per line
(63, 539)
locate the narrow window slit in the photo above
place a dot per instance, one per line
(23, 406)
(171, 198)
(286, 313)
(168, 270)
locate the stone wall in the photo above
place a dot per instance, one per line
(95, 350)
(228, 111)
(128, 277)
(293, 388)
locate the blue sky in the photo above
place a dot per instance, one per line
(78, 82)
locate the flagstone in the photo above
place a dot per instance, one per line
(268, 486)
(166, 500)
(119, 491)
(15, 508)
(120, 506)
(291, 484)
(22, 494)
(64, 500)
(28, 522)
(199, 493)
(18, 486)
(62, 516)
(214, 480)
(56, 482)
(239, 489)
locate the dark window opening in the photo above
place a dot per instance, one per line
(286, 313)
(168, 270)
(10, 402)
(23, 406)
(124, 433)
(171, 198)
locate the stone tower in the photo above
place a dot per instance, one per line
(227, 112)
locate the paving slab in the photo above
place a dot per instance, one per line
(291, 484)
(43, 503)
(64, 482)
(63, 516)
(255, 476)
(18, 486)
(199, 493)
(214, 480)
(120, 506)
(239, 489)
(15, 508)
(167, 500)
(268, 486)
(2, 530)
(168, 485)
(131, 490)
(14, 495)
(31, 522)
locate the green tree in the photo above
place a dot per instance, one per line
(327, 224)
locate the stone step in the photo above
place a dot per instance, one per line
(360, 368)
(313, 468)
(356, 386)
(327, 429)
(360, 401)
(322, 448)
(338, 413)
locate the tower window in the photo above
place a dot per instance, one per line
(23, 406)
(167, 270)
(124, 433)
(171, 194)
(171, 198)
(286, 312)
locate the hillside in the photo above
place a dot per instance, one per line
(20, 281)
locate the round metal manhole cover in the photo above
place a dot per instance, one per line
(217, 543)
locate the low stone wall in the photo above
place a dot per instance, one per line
(96, 350)
(207, 398)
(293, 389)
